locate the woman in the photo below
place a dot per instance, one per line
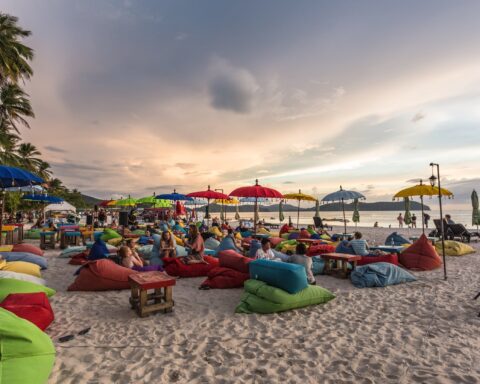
(167, 245)
(129, 258)
(196, 245)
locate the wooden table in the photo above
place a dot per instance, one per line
(341, 260)
(161, 299)
(310, 241)
(47, 239)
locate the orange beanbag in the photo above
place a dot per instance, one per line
(176, 267)
(420, 256)
(102, 275)
(233, 260)
(29, 248)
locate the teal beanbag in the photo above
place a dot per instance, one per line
(260, 297)
(380, 275)
(8, 286)
(26, 353)
(289, 277)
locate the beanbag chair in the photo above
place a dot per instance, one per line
(178, 240)
(223, 278)
(70, 251)
(102, 275)
(275, 241)
(421, 256)
(176, 267)
(98, 251)
(315, 236)
(181, 251)
(289, 277)
(26, 257)
(255, 245)
(234, 260)
(227, 243)
(79, 259)
(6, 248)
(109, 234)
(21, 267)
(216, 231)
(33, 307)
(318, 265)
(27, 248)
(263, 231)
(22, 277)
(32, 234)
(391, 258)
(454, 248)
(379, 275)
(304, 234)
(145, 251)
(156, 246)
(27, 353)
(397, 239)
(8, 286)
(246, 234)
(285, 242)
(293, 236)
(289, 248)
(115, 242)
(260, 297)
(212, 243)
(315, 250)
(344, 247)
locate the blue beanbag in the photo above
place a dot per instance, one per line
(289, 277)
(293, 236)
(211, 243)
(246, 234)
(315, 236)
(144, 240)
(397, 239)
(379, 275)
(98, 251)
(255, 245)
(318, 264)
(226, 244)
(25, 256)
(344, 247)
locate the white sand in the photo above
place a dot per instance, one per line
(426, 331)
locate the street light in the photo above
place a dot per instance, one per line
(433, 179)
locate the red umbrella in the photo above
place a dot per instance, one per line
(209, 195)
(105, 203)
(256, 191)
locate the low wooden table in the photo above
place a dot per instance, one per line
(341, 260)
(48, 239)
(159, 300)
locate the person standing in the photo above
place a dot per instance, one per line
(426, 218)
(414, 221)
(400, 220)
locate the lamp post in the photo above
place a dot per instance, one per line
(433, 179)
(223, 206)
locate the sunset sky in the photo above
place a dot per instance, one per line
(136, 97)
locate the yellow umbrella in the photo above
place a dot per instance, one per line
(299, 197)
(222, 202)
(422, 190)
(111, 203)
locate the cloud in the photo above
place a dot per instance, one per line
(184, 165)
(231, 88)
(418, 116)
(51, 148)
(288, 182)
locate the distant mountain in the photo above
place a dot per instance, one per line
(379, 206)
(90, 201)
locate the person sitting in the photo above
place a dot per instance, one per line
(265, 251)
(167, 245)
(129, 258)
(304, 234)
(285, 229)
(449, 220)
(229, 242)
(359, 245)
(300, 258)
(226, 226)
(98, 251)
(196, 246)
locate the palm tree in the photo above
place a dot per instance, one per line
(14, 106)
(56, 185)
(8, 143)
(14, 56)
(44, 171)
(27, 153)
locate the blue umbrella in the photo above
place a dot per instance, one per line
(17, 177)
(174, 196)
(43, 199)
(342, 195)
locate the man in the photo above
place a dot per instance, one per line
(265, 251)
(300, 258)
(400, 220)
(414, 221)
(449, 220)
(426, 217)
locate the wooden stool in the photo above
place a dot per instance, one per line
(47, 240)
(339, 258)
(159, 300)
(69, 238)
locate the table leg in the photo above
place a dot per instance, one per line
(169, 298)
(143, 303)
(134, 297)
(345, 269)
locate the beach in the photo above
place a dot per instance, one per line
(425, 331)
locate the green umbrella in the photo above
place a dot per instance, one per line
(147, 200)
(129, 202)
(281, 216)
(408, 216)
(317, 208)
(161, 203)
(356, 214)
(475, 213)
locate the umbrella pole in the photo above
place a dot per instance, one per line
(2, 205)
(423, 220)
(254, 218)
(344, 218)
(298, 213)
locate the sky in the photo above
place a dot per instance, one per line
(142, 97)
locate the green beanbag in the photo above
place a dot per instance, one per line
(262, 298)
(32, 234)
(26, 353)
(109, 234)
(8, 286)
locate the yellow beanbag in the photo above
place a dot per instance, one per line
(454, 248)
(6, 248)
(216, 231)
(263, 231)
(115, 241)
(289, 247)
(21, 267)
(178, 240)
(238, 236)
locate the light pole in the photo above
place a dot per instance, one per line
(223, 206)
(433, 179)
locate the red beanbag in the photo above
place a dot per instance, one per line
(102, 275)
(79, 259)
(390, 258)
(233, 260)
(176, 267)
(221, 278)
(33, 307)
(29, 248)
(275, 241)
(304, 234)
(420, 256)
(320, 249)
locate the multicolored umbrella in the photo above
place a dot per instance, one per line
(299, 197)
(475, 212)
(342, 195)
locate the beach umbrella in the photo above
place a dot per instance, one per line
(128, 202)
(356, 214)
(256, 191)
(260, 200)
(174, 196)
(476, 212)
(343, 195)
(407, 217)
(106, 203)
(299, 197)
(281, 216)
(422, 190)
(209, 195)
(229, 201)
(14, 177)
(148, 200)
(43, 199)
(317, 208)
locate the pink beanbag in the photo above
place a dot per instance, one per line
(233, 260)
(102, 275)
(420, 256)
(222, 278)
(175, 267)
(29, 248)
(391, 258)
(33, 307)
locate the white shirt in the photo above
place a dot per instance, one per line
(261, 254)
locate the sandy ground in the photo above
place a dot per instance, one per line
(426, 332)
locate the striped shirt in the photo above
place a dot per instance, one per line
(359, 247)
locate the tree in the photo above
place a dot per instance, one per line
(28, 153)
(14, 107)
